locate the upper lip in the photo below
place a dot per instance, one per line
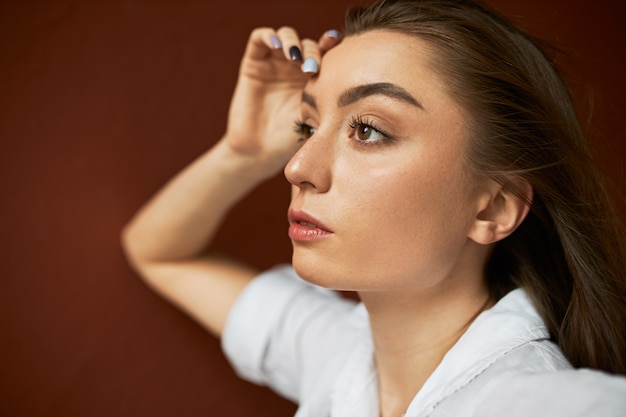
(298, 216)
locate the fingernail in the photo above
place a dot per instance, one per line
(310, 66)
(333, 34)
(295, 54)
(276, 43)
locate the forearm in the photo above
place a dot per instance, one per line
(166, 241)
(179, 222)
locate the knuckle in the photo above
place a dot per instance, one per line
(260, 30)
(287, 31)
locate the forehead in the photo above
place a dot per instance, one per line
(380, 56)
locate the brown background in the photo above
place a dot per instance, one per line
(101, 102)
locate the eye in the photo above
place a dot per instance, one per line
(304, 130)
(367, 133)
(364, 131)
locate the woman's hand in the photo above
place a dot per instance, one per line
(266, 101)
(167, 241)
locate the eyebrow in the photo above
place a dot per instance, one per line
(360, 92)
(309, 99)
(354, 94)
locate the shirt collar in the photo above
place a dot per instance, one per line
(512, 322)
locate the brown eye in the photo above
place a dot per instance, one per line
(366, 133)
(363, 132)
(308, 131)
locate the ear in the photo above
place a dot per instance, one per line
(500, 211)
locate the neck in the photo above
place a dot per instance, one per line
(412, 331)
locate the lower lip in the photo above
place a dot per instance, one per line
(305, 233)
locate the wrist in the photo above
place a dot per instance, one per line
(256, 164)
(248, 167)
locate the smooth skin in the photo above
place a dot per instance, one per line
(410, 227)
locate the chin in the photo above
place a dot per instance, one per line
(308, 271)
(315, 271)
(324, 274)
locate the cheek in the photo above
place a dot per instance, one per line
(411, 211)
(408, 222)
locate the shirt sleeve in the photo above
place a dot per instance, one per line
(281, 327)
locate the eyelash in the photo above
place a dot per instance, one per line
(303, 129)
(360, 121)
(355, 122)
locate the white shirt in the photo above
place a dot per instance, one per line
(315, 348)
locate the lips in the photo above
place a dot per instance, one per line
(305, 219)
(304, 227)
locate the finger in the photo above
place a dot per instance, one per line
(290, 40)
(328, 40)
(262, 41)
(311, 55)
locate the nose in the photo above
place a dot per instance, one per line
(311, 166)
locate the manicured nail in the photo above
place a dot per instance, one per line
(310, 66)
(295, 54)
(276, 43)
(333, 34)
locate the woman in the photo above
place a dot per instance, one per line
(439, 171)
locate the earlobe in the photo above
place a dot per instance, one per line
(501, 211)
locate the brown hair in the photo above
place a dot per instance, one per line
(569, 253)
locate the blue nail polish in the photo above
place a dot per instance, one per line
(333, 34)
(276, 43)
(295, 54)
(310, 66)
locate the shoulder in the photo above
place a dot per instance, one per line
(533, 356)
(279, 295)
(287, 333)
(566, 392)
(280, 301)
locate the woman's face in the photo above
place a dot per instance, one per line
(381, 197)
